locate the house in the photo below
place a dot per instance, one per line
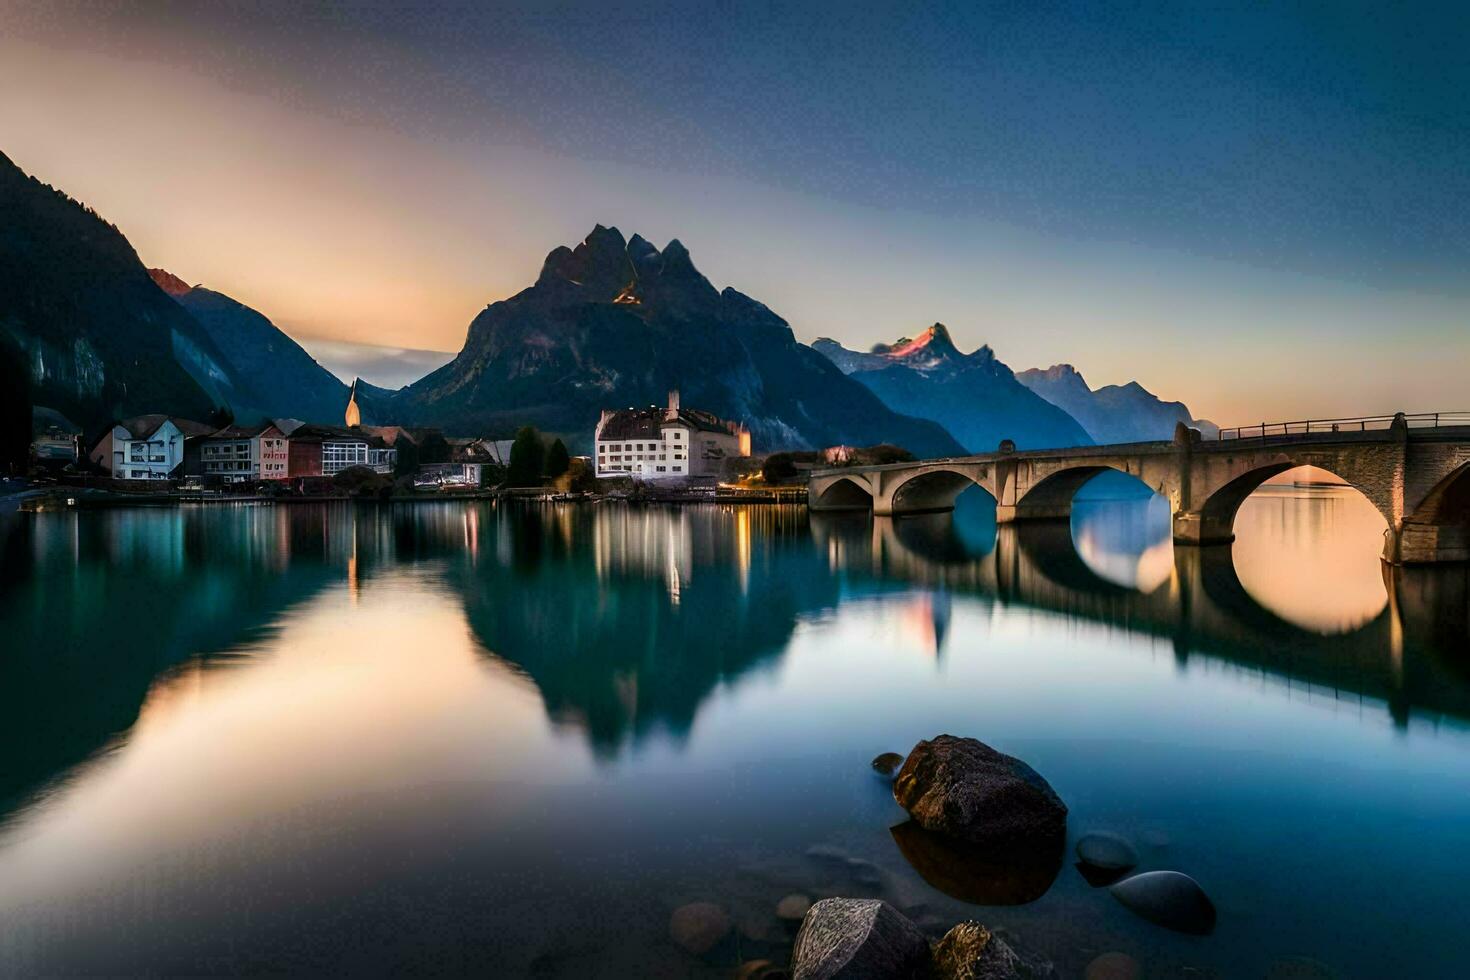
(492, 451)
(666, 443)
(55, 439)
(449, 475)
(149, 447)
(245, 454)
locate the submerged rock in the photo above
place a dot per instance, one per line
(793, 908)
(969, 951)
(1168, 898)
(1112, 966)
(963, 788)
(699, 926)
(1104, 858)
(857, 939)
(981, 874)
(887, 763)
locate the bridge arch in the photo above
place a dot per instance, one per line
(843, 493)
(933, 490)
(1217, 514)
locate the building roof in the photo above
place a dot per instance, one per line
(143, 426)
(648, 423)
(242, 431)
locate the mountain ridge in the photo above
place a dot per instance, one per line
(975, 395)
(614, 322)
(1112, 413)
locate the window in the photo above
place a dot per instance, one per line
(678, 469)
(678, 455)
(660, 469)
(678, 434)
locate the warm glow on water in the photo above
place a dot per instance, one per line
(509, 741)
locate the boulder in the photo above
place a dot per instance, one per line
(962, 788)
(1168, 898)
(698, 926)
(887, 763)
(857, 939)
(969, 951)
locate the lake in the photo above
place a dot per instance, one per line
(510, 739)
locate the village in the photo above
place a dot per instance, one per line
(669, 453)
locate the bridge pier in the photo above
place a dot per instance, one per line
(1011, 513)
(1422, 544)
(1196, 528)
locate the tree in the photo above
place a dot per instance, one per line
(557, 459)
(15, 409)
(527, 459)
(406, 461)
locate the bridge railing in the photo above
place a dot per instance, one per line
(1307, 427)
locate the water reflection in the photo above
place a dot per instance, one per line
(259, 735)
(1310, 554)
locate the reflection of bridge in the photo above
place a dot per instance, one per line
(1415, 470)
(1412, 655)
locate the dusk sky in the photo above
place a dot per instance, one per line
(1261, 209)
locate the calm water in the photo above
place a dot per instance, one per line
(510, 740)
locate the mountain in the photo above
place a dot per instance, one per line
(103, 341)
(614, 323)
(286, 380)
(1113, 413)
(975, 396)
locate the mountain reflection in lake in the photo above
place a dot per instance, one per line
(512, 739)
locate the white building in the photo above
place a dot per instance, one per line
(236, 454)
(341, 452)
(149, 447)
(666, 443)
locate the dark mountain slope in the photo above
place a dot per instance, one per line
(287, 381)
(102, 340)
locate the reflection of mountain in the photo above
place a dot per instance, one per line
(109, 601)
(628, 619)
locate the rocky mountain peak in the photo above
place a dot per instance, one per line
(169, 283)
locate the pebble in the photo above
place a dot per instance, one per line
(1106, 852)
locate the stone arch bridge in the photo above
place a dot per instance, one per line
(1414, 469)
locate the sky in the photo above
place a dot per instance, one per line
(1260, 209)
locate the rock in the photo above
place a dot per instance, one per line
(1168, 898)
(1104, 858)
(760, 970)
(698, 926)
(1112, 966)
(887, 763)
(962, 788)
(981, 874)
(857, 939)
(793, 908)
(969, 951)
